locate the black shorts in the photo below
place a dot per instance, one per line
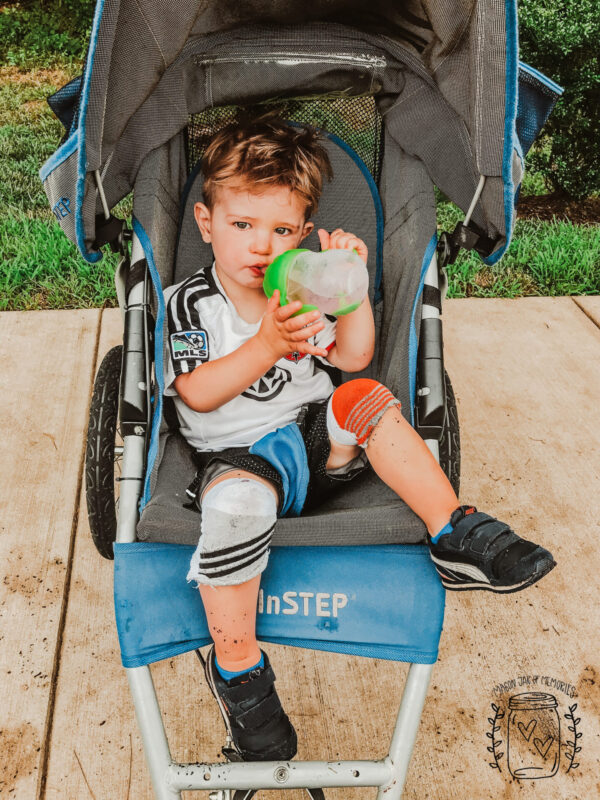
(312, 421)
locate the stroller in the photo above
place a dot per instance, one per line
(409, 96)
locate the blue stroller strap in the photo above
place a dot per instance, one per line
(284, 449)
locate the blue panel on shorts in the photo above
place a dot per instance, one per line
(284, 449)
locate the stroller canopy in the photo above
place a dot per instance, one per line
(443, 75)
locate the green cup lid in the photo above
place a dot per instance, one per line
(276, 276)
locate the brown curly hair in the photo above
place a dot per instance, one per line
(265, 152)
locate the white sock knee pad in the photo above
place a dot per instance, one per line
(238, 517)
(335, 430)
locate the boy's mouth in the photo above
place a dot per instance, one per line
(258, 269)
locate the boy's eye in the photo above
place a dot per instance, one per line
(242, 225)
(282, 231)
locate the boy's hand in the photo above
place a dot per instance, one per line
(280, 333)
(340, 240)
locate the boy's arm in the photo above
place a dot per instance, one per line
(354, 339)
(355, 332)
(215, 383)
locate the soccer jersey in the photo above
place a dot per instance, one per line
(204, 325)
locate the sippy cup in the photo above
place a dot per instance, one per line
(333, 282)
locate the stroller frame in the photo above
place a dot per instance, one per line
(170, 778)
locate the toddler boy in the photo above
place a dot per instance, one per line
(249, 371)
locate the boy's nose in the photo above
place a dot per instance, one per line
(262, 244)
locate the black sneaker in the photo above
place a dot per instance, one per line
(255, 720)
(483, 553)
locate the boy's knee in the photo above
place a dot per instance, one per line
(238, 518)
(355, 408)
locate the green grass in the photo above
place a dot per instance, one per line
(29, 134)
(41, 268)
(544, 258)
(35, 37)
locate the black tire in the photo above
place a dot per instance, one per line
(450, 441)
(100, 462)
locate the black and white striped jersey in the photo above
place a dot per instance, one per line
(203, 325)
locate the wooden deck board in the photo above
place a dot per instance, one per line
(44, 392)
(590, 306)
(526, 376)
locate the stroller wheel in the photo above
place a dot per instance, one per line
(450, 441)
(104, 453)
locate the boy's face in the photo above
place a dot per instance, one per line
(248, 230)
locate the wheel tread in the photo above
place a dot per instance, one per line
(100, 448)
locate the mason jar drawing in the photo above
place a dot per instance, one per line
(533, 745)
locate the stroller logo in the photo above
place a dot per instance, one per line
(189, 344)
(62, 208)
(537, 733)
(319, 604)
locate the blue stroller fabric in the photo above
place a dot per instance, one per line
(537, 97)
(379, 601)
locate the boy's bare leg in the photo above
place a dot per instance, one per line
(231, 615)
(231, 610)
(402, 460)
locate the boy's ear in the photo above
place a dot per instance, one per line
(202, 216)
(307, 229)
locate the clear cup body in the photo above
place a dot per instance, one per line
(333, 280)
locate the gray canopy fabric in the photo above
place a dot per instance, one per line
(444, 75)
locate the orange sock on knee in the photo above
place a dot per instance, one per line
(358, 405)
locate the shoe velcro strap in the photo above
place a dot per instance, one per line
(479, 529)
(491, 536)
(260, 713)
(260, 685)
(466, 526)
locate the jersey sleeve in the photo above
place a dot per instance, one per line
(188, 343)
(325, 338)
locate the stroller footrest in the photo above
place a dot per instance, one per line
(379, 601)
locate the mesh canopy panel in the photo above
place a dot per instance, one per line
(355, 120)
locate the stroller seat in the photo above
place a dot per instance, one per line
(366, 505)
(364, 511)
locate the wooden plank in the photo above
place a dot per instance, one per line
(590, 306)
(521, 370)
(92, 722)
(44, 393)
(527, 378)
